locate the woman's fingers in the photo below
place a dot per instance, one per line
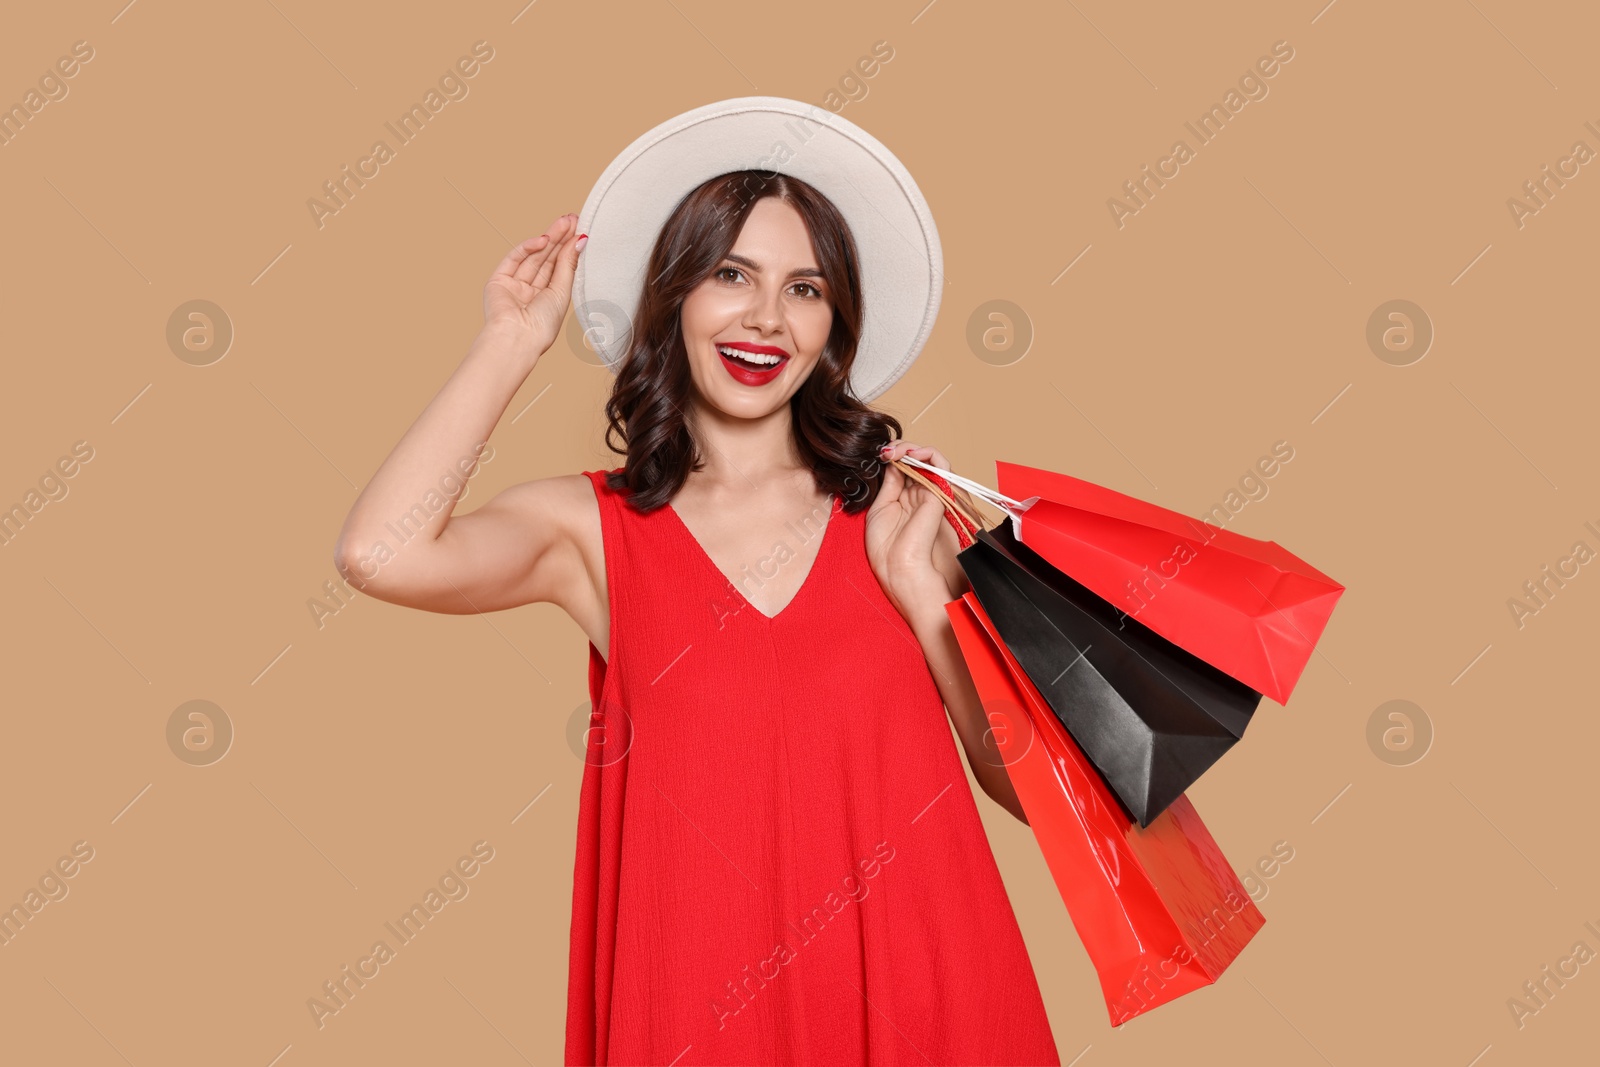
(528, 270)
(558, 251)
(530, 265)
(518, 254)
(920, 515)
(513, 290)
(559, 240)
(899, 446)
(926, 453)
(889, 492)
(566, 265)
(929, 454)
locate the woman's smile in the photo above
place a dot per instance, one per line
(750, 363)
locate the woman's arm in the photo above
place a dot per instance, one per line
(399, 542)
(912, 548)
(949, 668)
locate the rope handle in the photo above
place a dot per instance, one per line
(961, 517)
(1011, 507)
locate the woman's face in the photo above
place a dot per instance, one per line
(768, 300)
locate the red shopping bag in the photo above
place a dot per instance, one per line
(1250, 608)
(1159, 910)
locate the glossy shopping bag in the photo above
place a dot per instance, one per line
(1159, 910)
(1150, 717)
(1250, 608)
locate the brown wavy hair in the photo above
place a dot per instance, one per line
(836, 433)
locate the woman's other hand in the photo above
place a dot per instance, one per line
(910, 544)
(526, 298)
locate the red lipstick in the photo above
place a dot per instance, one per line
(747, 373)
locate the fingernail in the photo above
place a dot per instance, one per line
(581, 236)
(582, 242)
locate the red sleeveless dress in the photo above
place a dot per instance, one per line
(779, 860)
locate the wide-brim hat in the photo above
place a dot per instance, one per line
(901, 263)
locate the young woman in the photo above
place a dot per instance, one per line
(778, 856)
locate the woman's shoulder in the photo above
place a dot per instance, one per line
(602, 475)
(559, 512)
(563, 497)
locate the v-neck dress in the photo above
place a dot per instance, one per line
(779, 859)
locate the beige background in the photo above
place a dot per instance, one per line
(1229, 313)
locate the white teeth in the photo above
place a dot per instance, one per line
(748, 357)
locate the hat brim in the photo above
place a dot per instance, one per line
(901, 262)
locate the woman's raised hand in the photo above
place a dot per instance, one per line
(526, 299)
(910, 545)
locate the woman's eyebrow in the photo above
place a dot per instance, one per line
(799, 272)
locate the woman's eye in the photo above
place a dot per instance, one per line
(811, 292)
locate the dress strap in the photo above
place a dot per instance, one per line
(614, 547)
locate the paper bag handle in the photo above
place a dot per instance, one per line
(1013, 508)
(978, 489)
(965, 522)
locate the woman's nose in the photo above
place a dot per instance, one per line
(765, 311)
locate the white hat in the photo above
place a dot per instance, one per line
(901, 264)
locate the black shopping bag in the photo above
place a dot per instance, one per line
(1150, 716)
